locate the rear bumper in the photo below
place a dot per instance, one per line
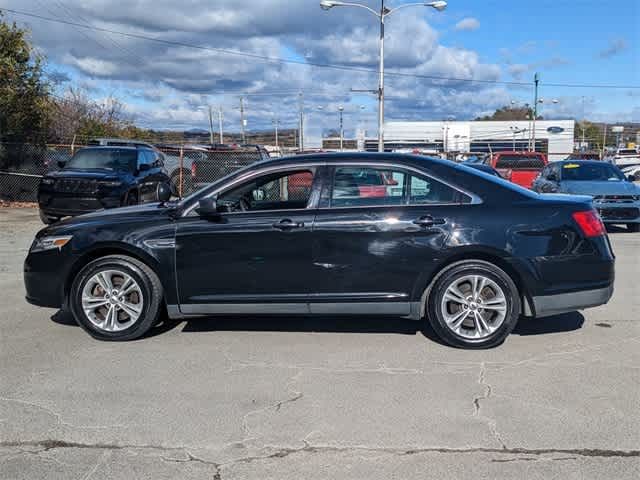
(547, 305)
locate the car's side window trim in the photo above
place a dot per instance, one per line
(316, 185)
(408, 170)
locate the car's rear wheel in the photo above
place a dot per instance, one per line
(633, 227)
(116, 298)
(132, 199)
(473, 304)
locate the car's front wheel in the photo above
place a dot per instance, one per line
(473, 304)
(116, 298)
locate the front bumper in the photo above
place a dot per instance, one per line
(55, 206)
(568, 302)
(44, 275)
(626, 212)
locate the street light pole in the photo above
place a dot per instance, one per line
(381, 83)
(220, 125)
(384, 12)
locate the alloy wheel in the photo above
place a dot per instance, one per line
(474, 307)
(112, 300)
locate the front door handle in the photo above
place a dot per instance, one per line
(429, 221)
(287, 224)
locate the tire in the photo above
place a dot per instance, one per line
(46, 219)
(132, 199)
(473, 323)
(187, 183)
(633, 227)
(145, 298)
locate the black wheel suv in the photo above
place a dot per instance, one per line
(334, 234)
(101, 177)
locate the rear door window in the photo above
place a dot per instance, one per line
(368, 186)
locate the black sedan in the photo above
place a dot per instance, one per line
(337, 234)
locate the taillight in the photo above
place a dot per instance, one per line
(590, 223)
(194, 169)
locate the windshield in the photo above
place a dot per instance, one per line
(516, 162)
(111, 159)
(591, 172)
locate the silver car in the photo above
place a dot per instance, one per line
(615, 196)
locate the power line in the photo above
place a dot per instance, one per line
(301, 62)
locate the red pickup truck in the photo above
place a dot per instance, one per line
(519, 167)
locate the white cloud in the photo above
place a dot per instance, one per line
(468, 24)
(166, 84)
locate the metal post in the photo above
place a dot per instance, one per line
(583, 129)
(301, 123)
(210, 125)
(340, 109)
(381, 83)
(220, 125)
(536, 80)
(604, 141)
(244, 138)
(180, 172)
(275, 122)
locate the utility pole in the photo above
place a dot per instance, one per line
(276, 121)
(341, 109)
(242, 120)
(220, 125)
(536, 80)
(301, 123)
(210, 126)
(583, 124)
(604, 141)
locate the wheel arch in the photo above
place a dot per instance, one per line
(483, 256)
(103, 250)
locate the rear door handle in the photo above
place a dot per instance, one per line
(429, 221)
(287, 224)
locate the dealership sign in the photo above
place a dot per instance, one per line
(555, 129)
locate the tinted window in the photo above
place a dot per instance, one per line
(590, 172)
(363, 186)
(275, 191)
(515, 162)
(112, 159)
(427, 190)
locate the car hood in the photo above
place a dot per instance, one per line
(599, 188)
(97, 174)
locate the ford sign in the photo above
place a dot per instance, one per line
(555, 129)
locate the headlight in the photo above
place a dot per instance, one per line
(49, 243)
(48, 181)
(114, 183)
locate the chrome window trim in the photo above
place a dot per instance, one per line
(475, 199)
(255, 173)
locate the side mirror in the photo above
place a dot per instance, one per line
(633, 178)
(61, 163)
(163, 192)
(208, 208)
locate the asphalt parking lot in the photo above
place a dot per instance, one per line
(317, 398)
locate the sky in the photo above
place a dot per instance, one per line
(497, 43)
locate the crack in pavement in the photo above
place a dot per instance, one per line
(47, 445)
(476, 404)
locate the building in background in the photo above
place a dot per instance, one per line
(553, 137)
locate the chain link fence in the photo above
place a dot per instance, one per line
(189, 167)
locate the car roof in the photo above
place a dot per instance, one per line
(584, 162)
(367, 157)
(115, 147)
